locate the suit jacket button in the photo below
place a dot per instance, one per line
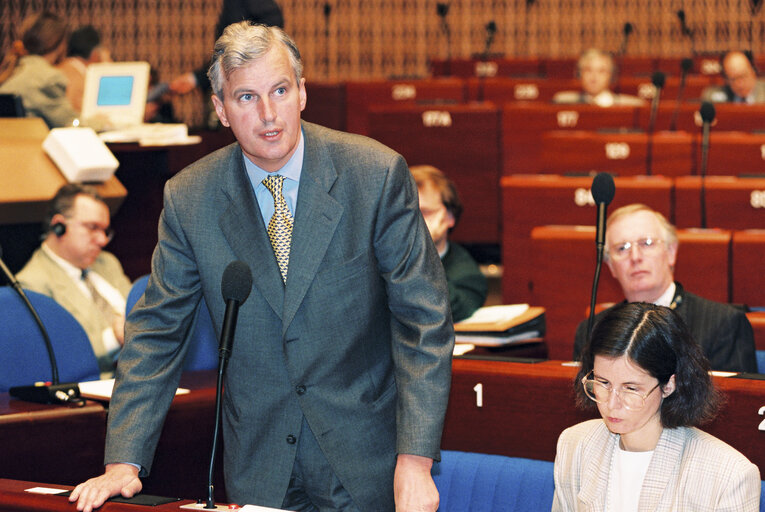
(291, 439)
(300, 390)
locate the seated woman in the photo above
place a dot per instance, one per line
(651, 385)
(595, 70)
(28, 70)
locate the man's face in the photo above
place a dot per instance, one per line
(595, 75)
(438, 219)
(740, 75)
(643, 273)
(262, 103)
(85, 235)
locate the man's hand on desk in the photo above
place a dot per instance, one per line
(117, 479)
(413, 486)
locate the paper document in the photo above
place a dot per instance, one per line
(102, 389)
(490, 314)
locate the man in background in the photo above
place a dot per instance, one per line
(84, 48)
(641, 250)
(441, 208)
(741, 82)
(71, 267)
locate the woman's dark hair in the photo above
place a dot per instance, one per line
(657, 340)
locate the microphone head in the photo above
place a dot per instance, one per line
(237, 282)
(327, 9)
(628, 28)
(491, 27)
(707, 112)
(603, 188)
(442, 9)
(658, 78)
(681, 16)
(686, 65)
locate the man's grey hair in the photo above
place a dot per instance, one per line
(241, 44)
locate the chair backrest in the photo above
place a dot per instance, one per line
(760, 361)
(11, 106)
(478, 482)
(23, 357)
(203, 353)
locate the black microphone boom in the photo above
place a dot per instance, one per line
(626, 32)
(603, 190)
(685, 66)
(491, 30)
(707, 112)
(657, 79)
(235, 287)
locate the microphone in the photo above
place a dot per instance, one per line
(626, 31)
(685, 30)
(46, 393)
(327, 10)
(657, 79)
(685, 66)
(442, 9)
(603, 190)
(707, 112)
(235, 287)
(491, 30)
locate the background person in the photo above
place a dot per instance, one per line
(339, 375)
(28, 69)
(595, 70)
(72, 268)
(641, 251)
(741, 82)
(441, 208)
(84, 48)
(651, 385)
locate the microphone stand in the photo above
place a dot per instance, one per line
(704, 157)
(442, 9)
(599, 246)
(685, 66)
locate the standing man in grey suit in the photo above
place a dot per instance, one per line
(340, 370)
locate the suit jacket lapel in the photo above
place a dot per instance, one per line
(665, 460)
(316, 218)
(242, 226)
(596, 465)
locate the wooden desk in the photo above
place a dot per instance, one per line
(493, 66)
(564, 264)
(729, 116)
(361, 95)
(735, 153)
(14, 499)
(747, 276)
(530, 200)
(526, 406)
(461, 140)
(623, 154)
(731, 202)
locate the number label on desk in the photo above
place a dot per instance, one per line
(757, 199)
(478, 388)
(761, 412)
(431, 118)
(617, 150)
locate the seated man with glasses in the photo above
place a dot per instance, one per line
(72, 268)
(651, 385)
(641, 249)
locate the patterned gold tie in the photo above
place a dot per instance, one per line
(280, 225)
(103, 306)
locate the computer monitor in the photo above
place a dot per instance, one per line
(115, 94)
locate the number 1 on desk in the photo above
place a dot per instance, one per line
(478, 395)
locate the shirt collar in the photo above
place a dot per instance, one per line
(665, 299)
(68, 268)
(291, 170)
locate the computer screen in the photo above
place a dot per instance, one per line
(115, 94)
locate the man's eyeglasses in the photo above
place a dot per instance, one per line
(646, 245)
(94, 229)
(600, 392)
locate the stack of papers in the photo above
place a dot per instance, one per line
(501, 325)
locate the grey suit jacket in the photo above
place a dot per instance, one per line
(690, 471)
(359, 340)
(43, 275)
(724, 94)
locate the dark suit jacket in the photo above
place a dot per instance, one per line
(359, 341)
(467, 285)
(724, 333)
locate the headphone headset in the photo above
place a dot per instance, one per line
(58, 229)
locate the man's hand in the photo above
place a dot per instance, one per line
(413, 487)
(118, 326)
(117, 479)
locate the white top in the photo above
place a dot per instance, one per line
(628, 469)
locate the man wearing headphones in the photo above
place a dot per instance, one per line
(741, 83)
(71, 267)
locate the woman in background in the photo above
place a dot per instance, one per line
(651, 384)
(28, 69)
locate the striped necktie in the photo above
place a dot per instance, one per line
(280, 225)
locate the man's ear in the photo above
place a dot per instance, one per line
(220, 110)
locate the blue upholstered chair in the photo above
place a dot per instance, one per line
(477, 482)
(203, 353)
(23, 357)
(761, 361)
